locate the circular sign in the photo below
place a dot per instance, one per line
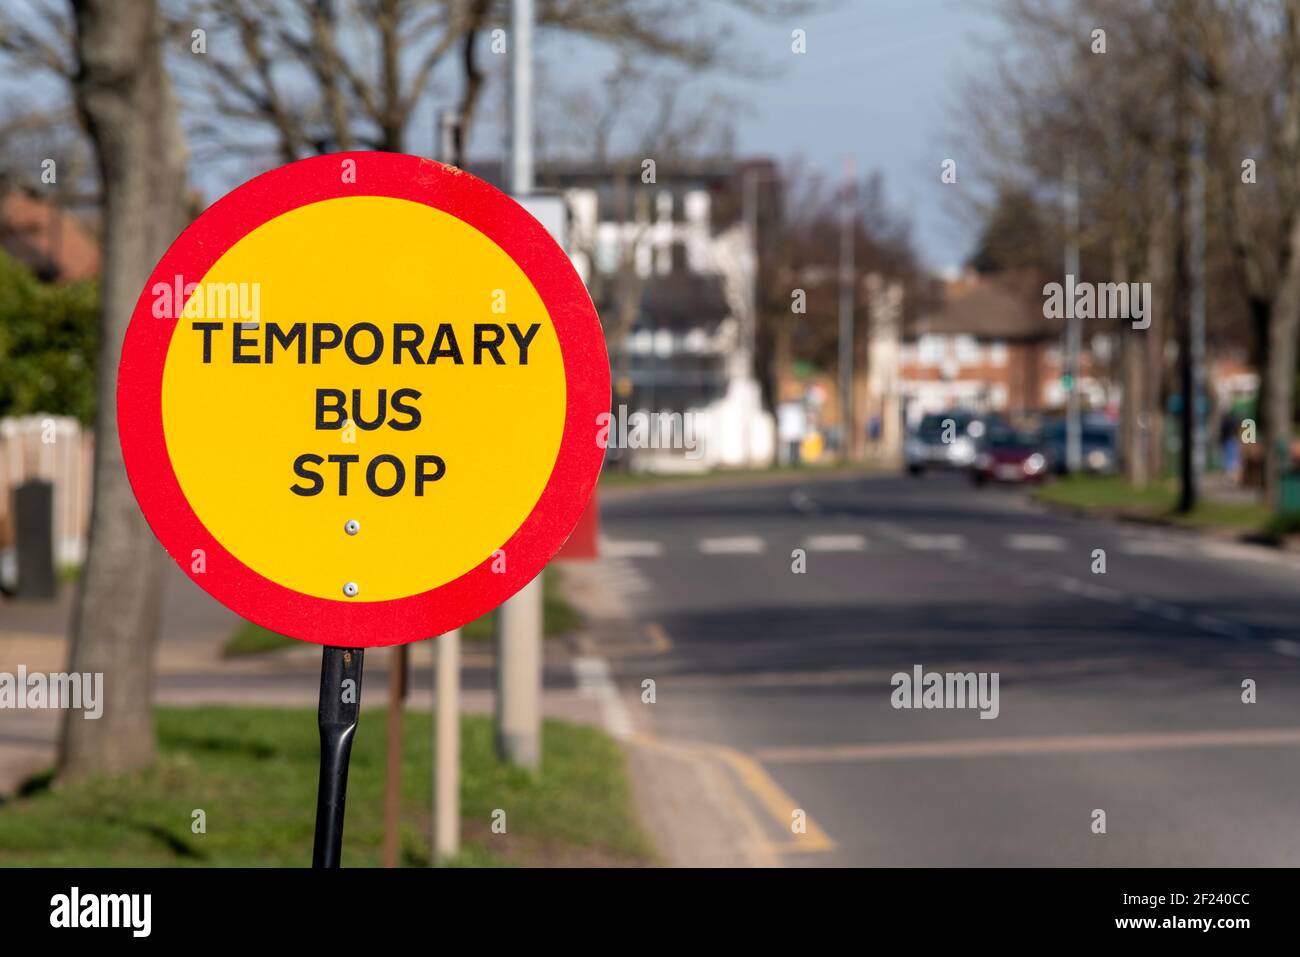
(359, 399)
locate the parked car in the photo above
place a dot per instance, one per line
(1011, 455)
(946, 440)
(1099, 446)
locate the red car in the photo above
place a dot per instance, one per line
(1010, 456)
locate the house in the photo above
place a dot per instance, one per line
(988, 347)
(45, 237)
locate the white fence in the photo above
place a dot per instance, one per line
(57, 449)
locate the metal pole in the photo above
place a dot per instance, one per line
(521, 97)
(446, 768)
(519, 677)
(393, 756)
(446, 656)
(449, 138)
(340, 706)
(1073, 330)
(519, 620)
(847, 280)
(749, 202)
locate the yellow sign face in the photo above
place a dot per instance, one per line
(359, 420)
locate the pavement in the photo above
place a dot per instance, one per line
(1121, 691)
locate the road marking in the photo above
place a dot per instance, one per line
(1036, 543)
(935, 543)
(735, 545)
(1122, 742)
(1289, 648)
(1104, 593)
(592, 676)
(727, 791)
(770, 795)
(1153, 546)
(835, 543)
(620, 577)
(1217, 626)
(630, 549)
(1235, 552)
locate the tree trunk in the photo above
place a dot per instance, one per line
(1280, 399)
(1151, 419)
(125, 99)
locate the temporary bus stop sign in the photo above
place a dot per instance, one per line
(359, 397)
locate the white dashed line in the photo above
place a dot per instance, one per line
(1102, 592)
(1289, 648)
(835, 543)
(935, 543)
(632, 549)
(736, 545)
(1036, 543)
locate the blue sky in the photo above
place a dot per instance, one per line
(880, 83)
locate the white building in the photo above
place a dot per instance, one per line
(671, 268)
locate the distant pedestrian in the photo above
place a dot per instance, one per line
(1230, 443)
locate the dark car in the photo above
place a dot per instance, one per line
(1011, 455)
(1099, 446)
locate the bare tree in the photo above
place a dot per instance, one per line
(124, 96)
(1125, 115)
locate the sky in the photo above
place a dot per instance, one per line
(880, 83)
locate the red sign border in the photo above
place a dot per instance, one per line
(343, 622)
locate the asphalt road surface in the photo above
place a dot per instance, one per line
(1119, 691)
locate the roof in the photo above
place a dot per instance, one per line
(1001, 306)
(49, 240)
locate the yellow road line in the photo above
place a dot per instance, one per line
(769, 795)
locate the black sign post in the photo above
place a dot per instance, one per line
(340, 706)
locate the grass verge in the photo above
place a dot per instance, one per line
(1112, 495)
(559, 617)
(253, 772)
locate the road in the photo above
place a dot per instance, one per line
(1119, 691)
